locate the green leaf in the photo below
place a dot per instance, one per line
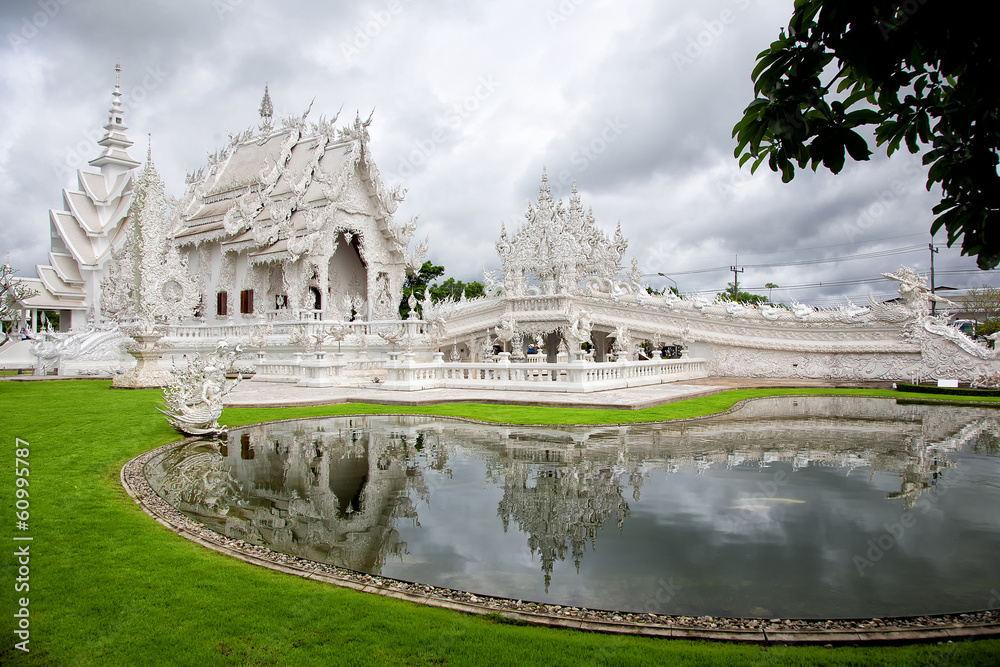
(787, 172)
(862, 117)
(856, 146)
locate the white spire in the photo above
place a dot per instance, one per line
(266, 109)
(115, 157)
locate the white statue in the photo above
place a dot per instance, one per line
(623, 343)
(507, 329)
(580, 327)
(914, 291)
(194, 394)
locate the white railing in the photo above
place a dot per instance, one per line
(539, 303)
(325, 369)
(575, 376)
(319, 369)
(241, 330)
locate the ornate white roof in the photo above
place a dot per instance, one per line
(275, 193)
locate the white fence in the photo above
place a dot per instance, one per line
(331, 369)
(578, 376)
(240, 331)
(320, 370)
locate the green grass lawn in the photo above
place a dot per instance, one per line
(109, 586)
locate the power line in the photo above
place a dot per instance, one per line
(806, 262)
(831, 283)
(954, 272)
(818, 247)
(845, 258)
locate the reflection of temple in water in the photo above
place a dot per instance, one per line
(332, 489)
(561, 504)
(326, 495)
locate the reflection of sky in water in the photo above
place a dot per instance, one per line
(809, 514)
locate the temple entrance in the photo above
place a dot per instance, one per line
(347, 277)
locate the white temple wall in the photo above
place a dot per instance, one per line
(726, 361)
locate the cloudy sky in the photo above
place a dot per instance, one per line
(633, 100)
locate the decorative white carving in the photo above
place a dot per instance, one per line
(12, 291)
(148, 282)
(95, 343)
(559, 247)
(194, 394)
(623, 343)
(580, 326)
(507, 329)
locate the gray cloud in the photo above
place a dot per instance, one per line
(635, 101)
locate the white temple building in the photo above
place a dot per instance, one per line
(293, 221)
(285, 243)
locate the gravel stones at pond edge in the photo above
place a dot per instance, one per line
(942, 627)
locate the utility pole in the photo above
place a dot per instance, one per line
(934, 251)
(736, 271)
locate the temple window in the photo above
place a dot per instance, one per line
(222, 304)
(246, 301)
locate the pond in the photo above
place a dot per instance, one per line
(807, 507)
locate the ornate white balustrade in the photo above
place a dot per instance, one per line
(579, 376)
(294, 328)
(320, 370)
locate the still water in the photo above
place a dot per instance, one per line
(792, 507)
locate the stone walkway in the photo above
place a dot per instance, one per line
(275, 394)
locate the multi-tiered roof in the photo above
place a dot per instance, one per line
(90, 225)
